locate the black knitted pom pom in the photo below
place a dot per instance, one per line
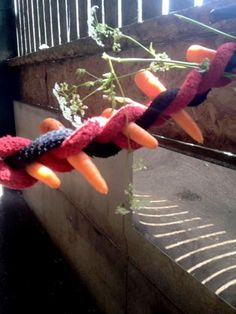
(38, 147)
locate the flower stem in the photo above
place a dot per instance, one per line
(145, 60)
(115, 76)
(92, 75)
(122, 94)
(166, 62)
(92, 93)
(137, 43)
(212, 29)
(132, 73)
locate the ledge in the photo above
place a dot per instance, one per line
(172, 30)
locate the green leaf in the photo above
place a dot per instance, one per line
(121, 210)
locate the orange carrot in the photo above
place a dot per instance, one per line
(134, 132)
(149, 84)
(140, 136)
(184, 120)
(43, 174)
(50, 124)
(81, 161)
(108, 112)
(197, 53)
(181, 118)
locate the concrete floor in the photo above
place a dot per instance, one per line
(34, 277)
(187, 208)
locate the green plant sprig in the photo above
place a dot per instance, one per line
(164, 62)
(109, 83)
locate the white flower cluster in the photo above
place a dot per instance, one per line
(70, 104)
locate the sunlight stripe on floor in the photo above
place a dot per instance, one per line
(159, 207)
(167, 234)
(158, 201)
(226, 286)
(169, 223)
(213, 259)
(194, 239)
(142, 195)
(216, 274)
(161, 215)
(205, 248)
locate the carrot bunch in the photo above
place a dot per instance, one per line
(152, 87)
(84, 164)
(81, 161)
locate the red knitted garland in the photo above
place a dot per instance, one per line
(102, 130)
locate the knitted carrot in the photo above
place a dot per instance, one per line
(144, 80)
(81, 161)
(43, 174)
(197, 53)
(134, 132)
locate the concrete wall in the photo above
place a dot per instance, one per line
(123, 270)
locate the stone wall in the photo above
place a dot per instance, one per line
(37, 73)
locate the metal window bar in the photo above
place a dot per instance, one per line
(42, 23)
(18, 27)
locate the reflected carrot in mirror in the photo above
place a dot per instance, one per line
(134, 132)
(197, 53)
(81, 161)
(43, 174)
(149, 83)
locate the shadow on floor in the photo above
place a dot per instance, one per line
(34, 277)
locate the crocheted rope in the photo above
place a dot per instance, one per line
(103, 138)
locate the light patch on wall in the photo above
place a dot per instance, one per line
(198, 2)
(165, 7)
(1, 191)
